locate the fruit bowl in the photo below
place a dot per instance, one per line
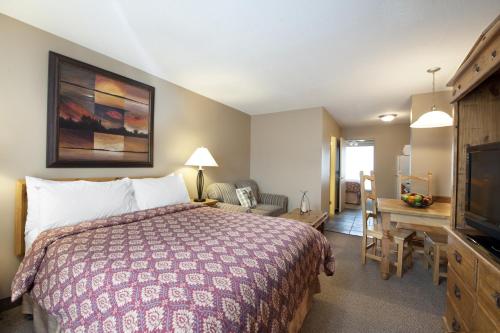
(417, 200)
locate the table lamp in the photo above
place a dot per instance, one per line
(201, 158)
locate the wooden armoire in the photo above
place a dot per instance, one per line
(473, 286)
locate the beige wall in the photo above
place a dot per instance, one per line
(432, 147)
(289, 154)
(183, 121)
(389, 142)
(285, 154)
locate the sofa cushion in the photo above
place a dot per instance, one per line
(232, 208)
(268, 210)
(252, 184)
(224, 192)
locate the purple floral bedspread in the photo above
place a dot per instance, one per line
(181, 268)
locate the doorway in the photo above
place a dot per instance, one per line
(351, 157)
(359, 156)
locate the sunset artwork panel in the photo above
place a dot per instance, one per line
(97, 118)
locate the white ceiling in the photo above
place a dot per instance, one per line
(358, 58)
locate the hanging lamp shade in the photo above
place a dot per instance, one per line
(435, 117)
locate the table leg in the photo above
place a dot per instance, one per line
(386, 245)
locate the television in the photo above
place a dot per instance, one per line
(482, 209)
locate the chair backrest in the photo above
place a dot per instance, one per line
(223, 192)
(252, 184)
(424, 181)
(368, 195)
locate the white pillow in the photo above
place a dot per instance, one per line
(33, 215)
(68, 203)
(158, 192)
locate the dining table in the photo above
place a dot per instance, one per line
(394, 211)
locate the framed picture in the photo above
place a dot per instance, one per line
(97, 118)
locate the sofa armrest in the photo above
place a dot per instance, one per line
(275, 199)
(232, 208)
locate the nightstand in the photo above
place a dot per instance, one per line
(314, 218)
(208, 202)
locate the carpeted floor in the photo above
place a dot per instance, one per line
(356, 299)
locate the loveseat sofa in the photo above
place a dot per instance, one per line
(267, 204)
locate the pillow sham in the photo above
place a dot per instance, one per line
(33, 213)
(157, 192)
(246, 197)
(58, 204)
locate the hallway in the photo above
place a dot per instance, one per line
(347, 222)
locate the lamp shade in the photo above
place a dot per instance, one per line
(433, 119)
(201, 157)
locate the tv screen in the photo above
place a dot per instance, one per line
(483, 201)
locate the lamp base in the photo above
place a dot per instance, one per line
(199, 186)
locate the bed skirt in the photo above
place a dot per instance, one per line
(304, 307)
(44, 323)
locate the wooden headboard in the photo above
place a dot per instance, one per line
(21, 208)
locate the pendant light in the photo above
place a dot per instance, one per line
(435, 117)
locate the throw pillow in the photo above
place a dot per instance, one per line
(246, 197)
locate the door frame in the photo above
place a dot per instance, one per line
(333, 178)
(341, 205)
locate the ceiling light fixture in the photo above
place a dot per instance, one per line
(387, 117)
(435, 117)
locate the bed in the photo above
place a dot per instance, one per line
(178, 268)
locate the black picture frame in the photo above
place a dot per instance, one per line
(53, 159)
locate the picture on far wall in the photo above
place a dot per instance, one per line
(97, 118)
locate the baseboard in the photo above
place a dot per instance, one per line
(6, 304)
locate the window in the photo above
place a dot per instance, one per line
(358, 157)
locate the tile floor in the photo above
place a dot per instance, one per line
(348, 222)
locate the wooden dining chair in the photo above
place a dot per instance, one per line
(418, 184)
(427, 180)
(372, 230)
(435, 248)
